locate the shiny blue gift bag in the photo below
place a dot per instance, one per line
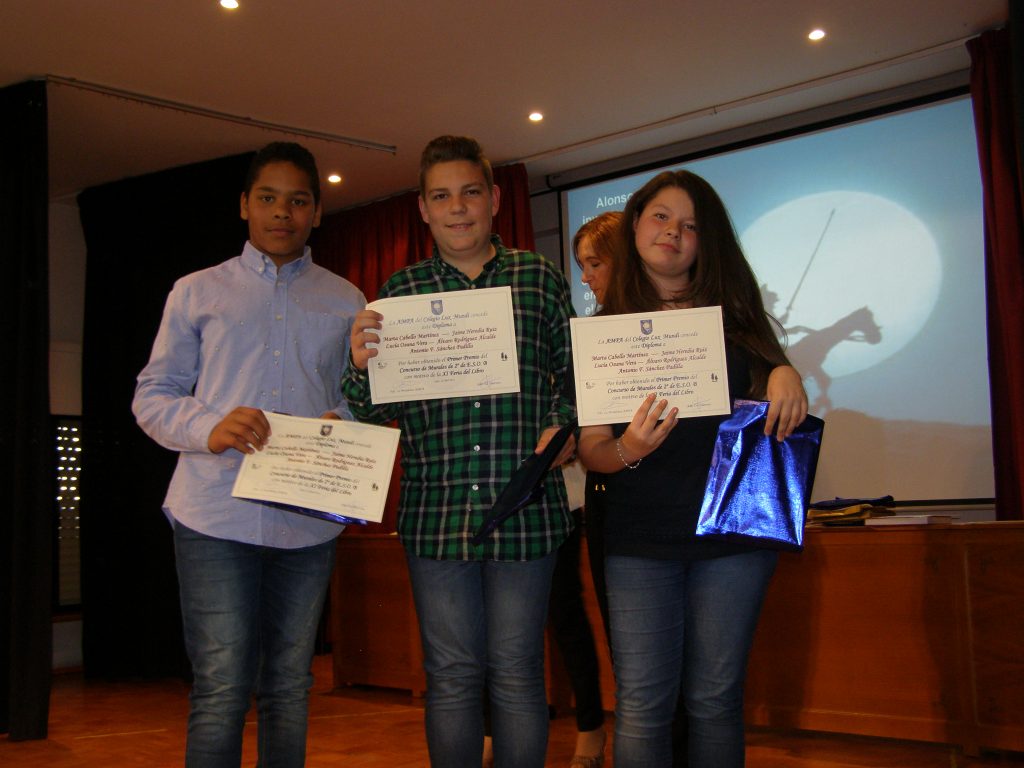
(758, 488)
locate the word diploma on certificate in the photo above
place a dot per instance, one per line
(449, 344)
(620, 359)
(327, 468)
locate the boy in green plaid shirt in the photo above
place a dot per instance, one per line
(481, 609)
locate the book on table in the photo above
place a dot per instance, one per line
(928, 519)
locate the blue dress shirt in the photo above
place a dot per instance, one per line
(244, 333)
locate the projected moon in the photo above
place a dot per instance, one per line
(852, 276)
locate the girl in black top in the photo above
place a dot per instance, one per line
(683, 610)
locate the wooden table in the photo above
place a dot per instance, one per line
(912, 632)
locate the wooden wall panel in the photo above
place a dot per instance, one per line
(915, 632)
(374, 635)
(995, 624)
(856, 636)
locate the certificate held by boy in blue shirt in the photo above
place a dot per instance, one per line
(327, 468)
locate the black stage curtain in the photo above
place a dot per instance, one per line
(26, 519)
(141, 235)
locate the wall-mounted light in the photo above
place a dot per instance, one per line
(334, 178)
(536, 117)
(816, 34)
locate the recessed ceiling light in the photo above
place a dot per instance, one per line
(229, 4)
(536, 117)
(334, 178)
(816, 35)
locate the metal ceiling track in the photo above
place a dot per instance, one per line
(191, 109)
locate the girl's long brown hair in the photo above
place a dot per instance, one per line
(720, 275)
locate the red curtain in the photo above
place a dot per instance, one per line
(366, 245)
(514, 222)
(993, 92)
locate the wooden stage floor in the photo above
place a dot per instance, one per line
(125, 724)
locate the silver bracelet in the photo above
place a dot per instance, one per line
(626, 464)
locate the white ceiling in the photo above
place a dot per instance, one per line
(612, 78)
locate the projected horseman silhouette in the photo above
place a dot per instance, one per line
(809, 353)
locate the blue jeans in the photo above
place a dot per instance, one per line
(482, 623)
(250, 615)
(683, 623)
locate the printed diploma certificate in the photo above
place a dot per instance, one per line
(327, 468)
(620, 359)
(449, 344)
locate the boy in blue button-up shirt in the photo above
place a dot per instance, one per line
(265, 331)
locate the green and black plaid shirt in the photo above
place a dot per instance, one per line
(458, 453)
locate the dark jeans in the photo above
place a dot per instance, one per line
(593, 523)
(571, 628)
(250, 616)
(482, 625)
(689, 624)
